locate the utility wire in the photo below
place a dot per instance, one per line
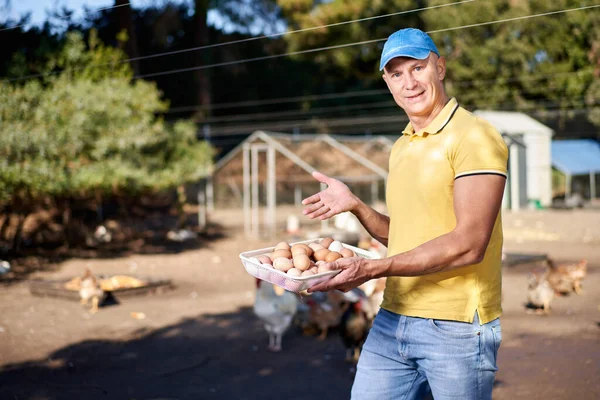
(169, 53)
(292, 32)
(201, 67)
(359, 93)
(377, 120)
(67, 17)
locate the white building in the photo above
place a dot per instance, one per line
(530, 145)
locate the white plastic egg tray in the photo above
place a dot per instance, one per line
(282, 279)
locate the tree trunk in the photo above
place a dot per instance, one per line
(66, 221)
(202, 58)
(18, 236)
(125, 22)
(181, 202)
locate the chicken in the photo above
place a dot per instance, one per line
(373, 289)
(327, 314)
(355, 324)
(539, 293)
(276, 308)
(565, 278)
(89, 288)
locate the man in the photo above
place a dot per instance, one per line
(438, 330)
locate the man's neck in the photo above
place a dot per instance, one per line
(419, 122)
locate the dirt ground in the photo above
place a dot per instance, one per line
(200, 340)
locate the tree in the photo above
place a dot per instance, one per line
(90, 131)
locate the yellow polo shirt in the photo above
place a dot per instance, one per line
(422, 169)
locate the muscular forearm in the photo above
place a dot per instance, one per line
(443, 253)
(378, 225)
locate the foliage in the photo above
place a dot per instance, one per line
(91, 130)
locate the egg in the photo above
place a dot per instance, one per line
(301, 261)
(282, 264)
(325, 242)
(309, 251)
(321, 254)
(332, 256)
(314, 269)
(255, 260)
(282, 246)
(347, 253)
(298, 249)
(264, 259)
(326, 267)
(336, 245)
(308, 272)
(315, 247)
(280, 253)
(294, 272)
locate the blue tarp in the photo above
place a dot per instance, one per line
(576, 157)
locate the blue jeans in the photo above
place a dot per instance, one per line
(408, 358)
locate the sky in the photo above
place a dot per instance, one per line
(39, 8)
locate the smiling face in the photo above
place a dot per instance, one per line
(417, 86)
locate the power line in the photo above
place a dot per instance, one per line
(292, 32)
(67, 17)
(245, 40)
(222, 64)
(378, 120)
(359, 93)
(251, 103)
(262, 116)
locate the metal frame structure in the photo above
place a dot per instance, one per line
(272, 143)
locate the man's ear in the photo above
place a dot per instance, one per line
(385, 79)
(441, 68)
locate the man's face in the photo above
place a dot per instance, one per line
(416, 84)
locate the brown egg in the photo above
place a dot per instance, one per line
(332, 256)
(326, 267)
(347, 253)
(265, 259)
(301, 261)
(282, 246)
(315, 247)
(298, 249)
(321, 254)
(294, 272)
(281, 253)
(325, 242)
(283, 264)
(308, 272)
(309, 251)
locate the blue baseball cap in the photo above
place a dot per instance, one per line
(409, 42)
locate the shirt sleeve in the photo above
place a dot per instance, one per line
(479, 150)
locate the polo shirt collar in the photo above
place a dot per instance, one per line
(438, 123)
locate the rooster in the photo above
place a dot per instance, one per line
(90, 289)
(565, 278)
(276, 308)
(355, 324)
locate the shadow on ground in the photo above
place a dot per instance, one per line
(209, 357)
(149, 242)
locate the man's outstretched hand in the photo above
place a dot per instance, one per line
(336, 199)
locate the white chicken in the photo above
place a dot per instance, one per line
(276, 308)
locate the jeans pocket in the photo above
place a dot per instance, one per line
(454, 329)
(497, 334)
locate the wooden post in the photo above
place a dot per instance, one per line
(514, 177)
(246, 192)
(271, 191)
(255, 204)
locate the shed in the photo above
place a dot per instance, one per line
(536, 138)
(579, 157)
